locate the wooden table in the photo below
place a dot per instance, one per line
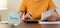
(24, 25)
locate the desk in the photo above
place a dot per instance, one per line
(24, 25)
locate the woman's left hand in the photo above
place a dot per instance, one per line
(53, 17)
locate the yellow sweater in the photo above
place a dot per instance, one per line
(36, 8)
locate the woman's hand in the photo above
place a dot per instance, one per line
(53, 17)
(28, 16)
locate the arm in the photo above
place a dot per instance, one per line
(55, 15)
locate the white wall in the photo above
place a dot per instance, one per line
(3, 3)
(4, 15)
(3, 9)
(13, 5)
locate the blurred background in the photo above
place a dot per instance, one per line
(13, 5)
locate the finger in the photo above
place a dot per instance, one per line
(27, 14)
(30, 14)
(30, 17)
(23, 18)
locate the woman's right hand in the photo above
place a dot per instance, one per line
(28, 16)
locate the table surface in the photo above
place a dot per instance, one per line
(24, 25)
